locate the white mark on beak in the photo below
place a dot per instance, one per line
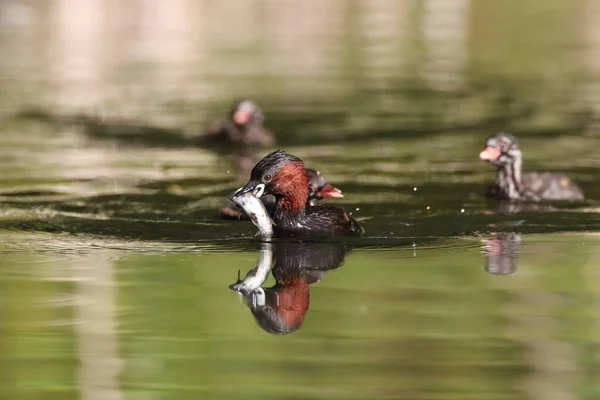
(259, 190)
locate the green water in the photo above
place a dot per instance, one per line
(115, 268)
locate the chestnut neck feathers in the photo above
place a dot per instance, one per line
(291, 186)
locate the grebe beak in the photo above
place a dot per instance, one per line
(257, 189)
(490, 153)
(241, 117)
(329, 191)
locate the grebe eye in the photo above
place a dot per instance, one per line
(267, 178)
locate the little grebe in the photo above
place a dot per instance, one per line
(284, 176)
(501, 149)
(318, 189)
(242, 129)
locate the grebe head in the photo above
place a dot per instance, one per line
(282, 175)
(501, 149)
(319, 188)
(246, 112)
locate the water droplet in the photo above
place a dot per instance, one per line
(357, 209)
(429, 208)
(462, 210)
(415, 189)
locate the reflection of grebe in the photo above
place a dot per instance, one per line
(280, 309)
(501, 252)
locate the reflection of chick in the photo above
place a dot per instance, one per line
(280, 309)
(501, 253)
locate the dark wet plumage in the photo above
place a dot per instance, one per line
(319, 220)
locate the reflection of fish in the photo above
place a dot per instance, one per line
(257, 275)
(256, 211)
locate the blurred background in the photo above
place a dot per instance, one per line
(115, 263)
(349, 65)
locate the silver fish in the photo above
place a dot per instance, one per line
(256, 211)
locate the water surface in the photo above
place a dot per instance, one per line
(115, 272)
(115, 268)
